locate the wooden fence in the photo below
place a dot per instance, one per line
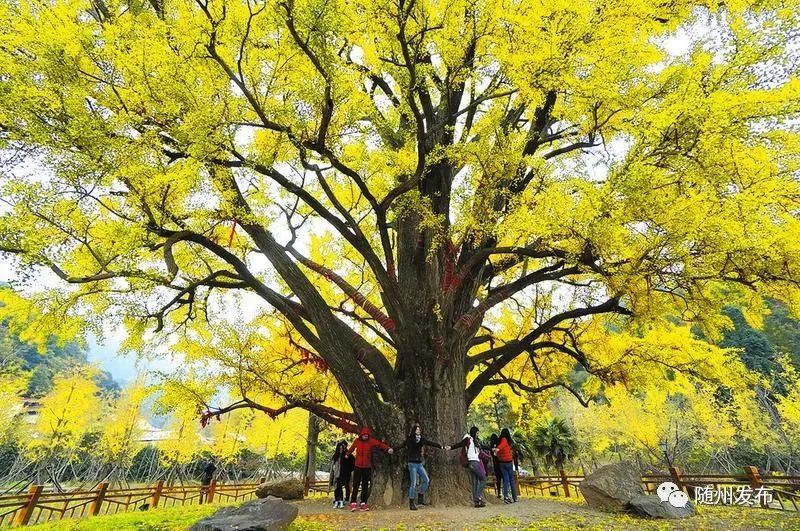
(39, 505)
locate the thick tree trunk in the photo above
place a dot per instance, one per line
(433, 397)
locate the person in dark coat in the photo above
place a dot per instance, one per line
(498, 476)
(342, 465)
(208, 473)
(206, 477)
(414, 444)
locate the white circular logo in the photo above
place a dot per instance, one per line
(665, 490)
(678, 499)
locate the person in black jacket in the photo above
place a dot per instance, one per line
(342, 465)
(416, 469)
(205, 479)
(498, 476)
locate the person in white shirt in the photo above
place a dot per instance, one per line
(477, 471)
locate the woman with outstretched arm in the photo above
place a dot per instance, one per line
(362, 473)
(472, 456)
(414, 444)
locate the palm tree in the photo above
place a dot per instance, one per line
(555, 442)
(523, 442)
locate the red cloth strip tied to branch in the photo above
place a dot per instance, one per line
(233, 233)
(206, 417)
(306, 357)
(450, 280)
(466, 320)
(358, 298)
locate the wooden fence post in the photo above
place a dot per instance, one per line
(564, 482)
(98, 500)
(211, 488)
(157, 493)
(33, 497)
(675, 472)
(755, 480)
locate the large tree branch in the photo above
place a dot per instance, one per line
(327, 109)
(494, 353)
(189, 290)
(467, 321)
(518, 385)
(340, 419)
(353, 237)
(534, 250)
(319, 145)
(336, 337)
(349, 290)
(503, 355)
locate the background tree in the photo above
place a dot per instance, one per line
(491, 413)
(68, 413)
(555, 442)
(121, 432)
(436, 197)
(39, 347)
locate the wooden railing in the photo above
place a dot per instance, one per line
(561, 485)
(39, 505)
(785, 490)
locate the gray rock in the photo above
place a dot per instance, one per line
(257, 515)
(653, 507)
(611, 487)
(285, 489)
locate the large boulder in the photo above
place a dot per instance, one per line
(269, 514)
(285, 489)
(612, 487)
(653, 507)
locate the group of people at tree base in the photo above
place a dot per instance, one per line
(356, 461)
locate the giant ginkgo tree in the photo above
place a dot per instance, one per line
(434, 196)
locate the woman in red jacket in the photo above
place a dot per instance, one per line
(505, 458)
(362, 473)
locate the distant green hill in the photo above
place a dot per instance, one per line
(44, 366)
(780, 334)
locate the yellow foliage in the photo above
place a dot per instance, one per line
(68, 412)
(12, 386)
(121, 428)
(189, 150)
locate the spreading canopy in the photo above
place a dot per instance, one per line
(413, 188)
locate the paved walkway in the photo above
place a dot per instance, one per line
(533, 514)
